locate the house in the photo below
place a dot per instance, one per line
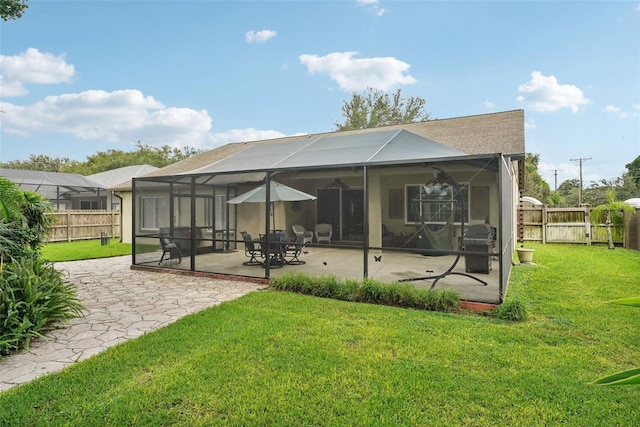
(64, 190)
(400, 202)
(70, 191)
(114, 177)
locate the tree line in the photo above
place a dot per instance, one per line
(105, 160)
(595, 193)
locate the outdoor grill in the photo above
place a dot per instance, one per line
(478, 238)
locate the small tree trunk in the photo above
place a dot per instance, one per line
(609, 236)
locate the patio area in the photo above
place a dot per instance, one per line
(387, 266)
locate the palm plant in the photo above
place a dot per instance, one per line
(630, 376)
(10, 196)
(23, 223)
(611, 212)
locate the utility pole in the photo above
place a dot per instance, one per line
(581, 160)
(555, 179)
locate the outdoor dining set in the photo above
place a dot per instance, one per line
(277, 248)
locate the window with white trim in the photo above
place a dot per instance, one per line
(154, 212)
(434, 206)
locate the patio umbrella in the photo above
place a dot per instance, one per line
(278, 193)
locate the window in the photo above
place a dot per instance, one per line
(434, 206)
(154, 212)
(88, 204)
(219, 213)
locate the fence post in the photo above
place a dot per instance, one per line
(68, 226)
(113, 218)
(544, 224)
(587, 224)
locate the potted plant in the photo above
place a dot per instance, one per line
(525, 255)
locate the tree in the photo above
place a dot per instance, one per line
(144, 154)
(534, 185)
(634, 171)
(12, 9)
(375, 108)
(105, 160)
(612, 212)
(40, 163)
(568, 190)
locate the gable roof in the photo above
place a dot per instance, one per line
(492, 133)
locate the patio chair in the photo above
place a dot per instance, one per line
(292, 251)
(250, 250)
(170, 249)
(324, 233)
(300, 230)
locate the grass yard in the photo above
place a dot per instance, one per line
(89, 249)
(283, 359)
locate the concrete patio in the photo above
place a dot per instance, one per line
(387, 266)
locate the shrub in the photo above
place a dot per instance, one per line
(33, 296)
(512, 310)
(369, 291)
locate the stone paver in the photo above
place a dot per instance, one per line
(120, 304)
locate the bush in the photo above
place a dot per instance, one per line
(512, 310)
(369, 291)
(33, 296)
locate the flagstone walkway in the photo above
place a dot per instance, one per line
(120, 304)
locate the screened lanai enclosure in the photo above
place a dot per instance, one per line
(389, 205)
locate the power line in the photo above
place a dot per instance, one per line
(581, 160)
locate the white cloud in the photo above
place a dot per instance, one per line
(544, 94)
(118, 116)
(32, 66)
(490, 105)
(529, 123)
(372, 6)
(122, 116)
(353, 74)
(259, 36)
(621, 114)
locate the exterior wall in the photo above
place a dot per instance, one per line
(125, 212)
(515, 194)
(376, 215)
(632, 230)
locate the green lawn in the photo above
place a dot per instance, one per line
(273, 358)
(89, 249)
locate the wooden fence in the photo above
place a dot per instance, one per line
(543, 224)
(83, 225)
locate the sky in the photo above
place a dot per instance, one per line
(79, 77)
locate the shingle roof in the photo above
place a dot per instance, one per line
(115, 177)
